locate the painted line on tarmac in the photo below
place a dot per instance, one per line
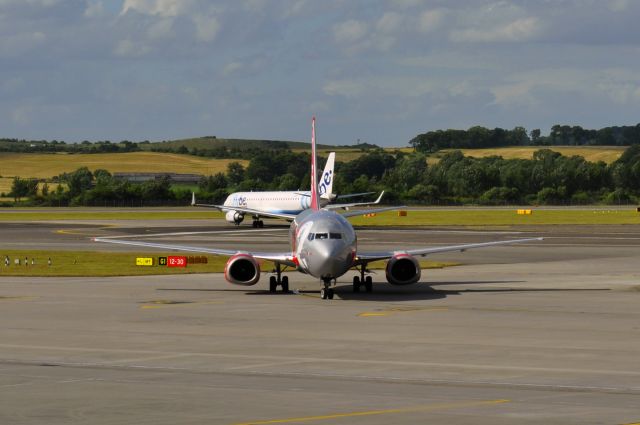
(400, 310)
(214, 232)
(172, 304)
(426, 408)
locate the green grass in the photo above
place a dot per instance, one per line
(101, 264)
(84, 214)
(500, 217)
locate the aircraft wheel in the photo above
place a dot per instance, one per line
(260, 224)
(323, 294)
(356, 284)
(285, 284)
(330, 293)
(273, 284)
(255, 224)
(368, 283)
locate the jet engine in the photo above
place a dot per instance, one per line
(402, 269)
(242, 269)
(234, 217)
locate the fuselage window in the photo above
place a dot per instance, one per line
(322, 235)
(335, 235)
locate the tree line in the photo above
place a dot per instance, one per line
(547, 178)
(560, 135)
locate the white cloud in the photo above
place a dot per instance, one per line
(231, 68)
(349, 31)
(166, 8)
(95, 9)
(430, 20)
(207, 27)
(519, 30)
(389, 22)
(161, 29)
(129, 48)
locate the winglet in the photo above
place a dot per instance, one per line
(315, 204)
(379, 198)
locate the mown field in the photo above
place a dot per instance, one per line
(607, 154)
(49, 165)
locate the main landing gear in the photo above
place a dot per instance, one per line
(257, 223)
(326, 293)
(278, 280)
(362, 280)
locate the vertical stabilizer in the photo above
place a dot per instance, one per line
(315, 203)
(325, 187)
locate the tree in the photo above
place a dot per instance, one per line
(235, 173)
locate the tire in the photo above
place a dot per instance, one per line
(273, 284)
(323, 294)
(260, 224)
(368, 283)
(330, 294)
(285, 284)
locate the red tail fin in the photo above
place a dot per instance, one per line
(315, 203)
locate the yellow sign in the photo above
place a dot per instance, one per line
(144, 261)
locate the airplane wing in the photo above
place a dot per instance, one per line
(355, 204)
(278, 257)
(422, 252)
(251, 211)
(355, 213)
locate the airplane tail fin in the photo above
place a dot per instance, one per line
(315, 203)
(325, 187)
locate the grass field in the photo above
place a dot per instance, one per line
(435, 217)
(49, 165)
(96, 263)
(84, 214)
(607, 154)
(501, 217)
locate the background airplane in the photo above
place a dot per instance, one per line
(323, 244)
(283, 204)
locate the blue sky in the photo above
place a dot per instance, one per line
(378, 71)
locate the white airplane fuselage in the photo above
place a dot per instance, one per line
(273, 202)
(324, 243)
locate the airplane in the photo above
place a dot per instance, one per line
(323, 244)
(283, 204)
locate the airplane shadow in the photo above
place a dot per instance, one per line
(388, 293)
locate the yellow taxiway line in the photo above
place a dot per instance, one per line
(427, 408)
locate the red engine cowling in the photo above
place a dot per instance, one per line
(242, 269)
(402, 269)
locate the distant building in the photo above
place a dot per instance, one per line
(145, 177)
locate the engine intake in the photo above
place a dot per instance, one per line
(403, 269)
(234, 217)
(242, 269)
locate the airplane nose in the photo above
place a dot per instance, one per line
(331, 261)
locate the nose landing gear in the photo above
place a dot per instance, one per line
(326, 293)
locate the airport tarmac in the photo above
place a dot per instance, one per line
(540, 333)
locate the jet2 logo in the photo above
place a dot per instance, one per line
(325, 182)
(239, 201)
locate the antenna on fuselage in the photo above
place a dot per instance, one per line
(315, 203)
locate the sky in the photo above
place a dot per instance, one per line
(376, 71)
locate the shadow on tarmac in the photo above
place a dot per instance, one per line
(387, 293)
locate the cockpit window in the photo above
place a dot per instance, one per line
(335, 235)
(311, 235)
(322, 235)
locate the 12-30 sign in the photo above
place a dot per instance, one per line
(176, 261)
